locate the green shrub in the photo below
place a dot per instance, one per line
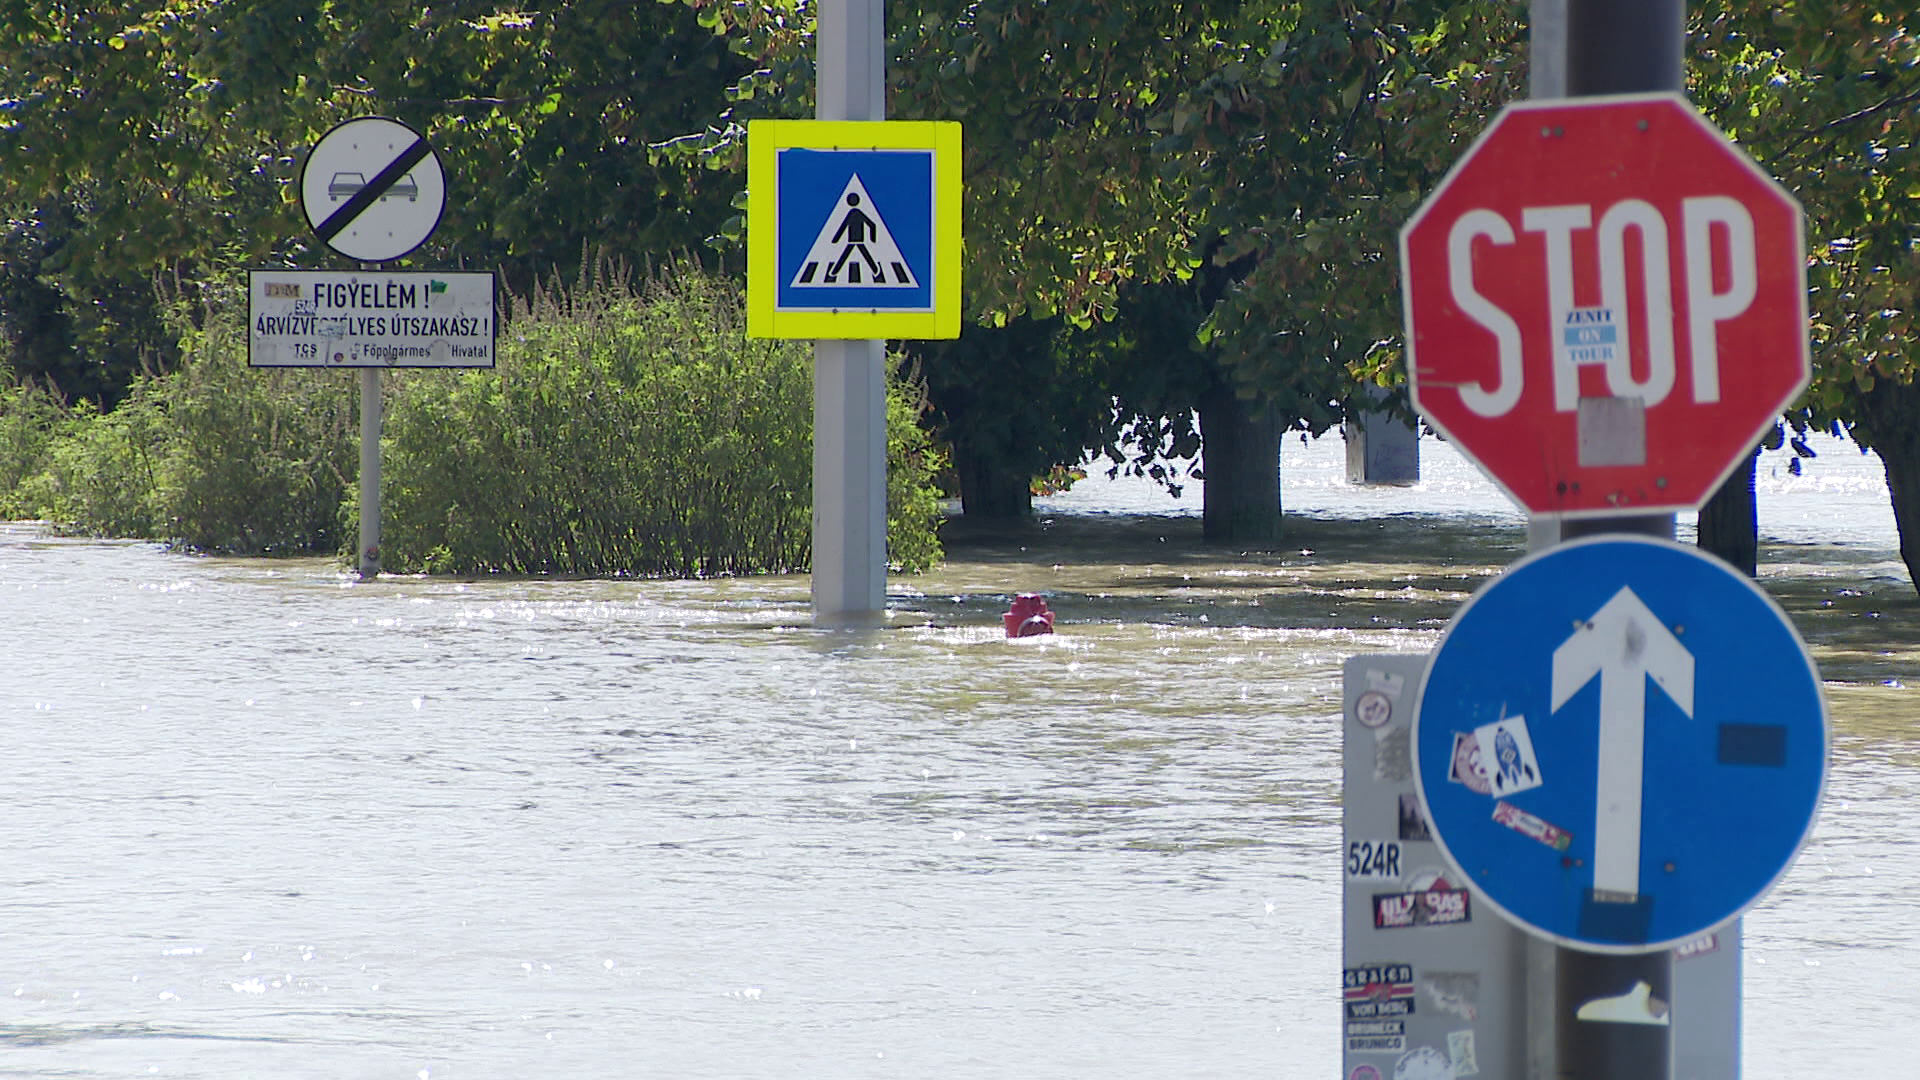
(626, 429)
(213, 456)
(29, 416)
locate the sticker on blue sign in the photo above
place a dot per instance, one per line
(1506, 756)
(1464, 767)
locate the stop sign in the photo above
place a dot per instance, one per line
(1606, 304)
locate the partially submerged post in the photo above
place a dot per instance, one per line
(373, 191)
(1587, 382)
(849, 375)
(853, 237)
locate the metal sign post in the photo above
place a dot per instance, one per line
(853, 237)
(849, 376)
(372, 415)
(372, 190)
(1604, 390)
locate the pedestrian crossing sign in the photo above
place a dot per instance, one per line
(853, 229)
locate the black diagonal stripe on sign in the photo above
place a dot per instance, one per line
(375, 188)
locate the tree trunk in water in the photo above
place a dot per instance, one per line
(1892, 414)
(1730, 524)
(1242, 458)
(1903, 484)
(989, 490)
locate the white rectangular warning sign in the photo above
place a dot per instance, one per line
(369, 318)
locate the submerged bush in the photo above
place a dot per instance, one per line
(29, 417)
(213, 456)
(628, 429)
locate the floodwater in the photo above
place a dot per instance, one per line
(260, 819)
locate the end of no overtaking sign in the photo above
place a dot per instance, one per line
(372, 189)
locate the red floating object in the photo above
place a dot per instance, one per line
(1028, 617)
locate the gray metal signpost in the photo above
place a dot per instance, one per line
(849, 376)
(372, 190)
(1618, 47)
(1612, 1010)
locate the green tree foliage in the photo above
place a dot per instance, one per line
(212, 456)
(1261, 152)
(1826, 95)
(632, 428)
(145, 136)
(82, 335)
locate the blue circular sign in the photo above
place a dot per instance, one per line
(1620, 743)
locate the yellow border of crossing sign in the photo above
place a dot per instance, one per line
(934, 241)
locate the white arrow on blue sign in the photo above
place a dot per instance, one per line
(1671, 751)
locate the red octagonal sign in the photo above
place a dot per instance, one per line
(1606, 304)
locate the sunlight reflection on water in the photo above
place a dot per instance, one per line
(265, 820)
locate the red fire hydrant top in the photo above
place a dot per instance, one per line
(1028, 617)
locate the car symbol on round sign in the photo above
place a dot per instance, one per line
(372, 189)
(1652, 744)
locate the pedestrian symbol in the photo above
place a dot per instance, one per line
(853, 229)
(854, 248)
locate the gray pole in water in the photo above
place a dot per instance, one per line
(371, 407)
(849, 377)
(1619, 47)
(370, 418)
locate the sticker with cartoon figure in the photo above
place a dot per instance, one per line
(1506, 756)
(1464, 767)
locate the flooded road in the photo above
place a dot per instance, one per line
(264, 820)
